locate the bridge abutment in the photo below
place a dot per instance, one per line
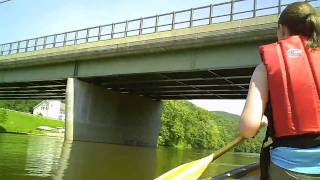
(99, 115)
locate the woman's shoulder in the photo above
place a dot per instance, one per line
(260, 67)
(260, 70)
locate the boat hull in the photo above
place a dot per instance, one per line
(251, 171)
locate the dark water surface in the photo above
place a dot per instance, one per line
(40, 157)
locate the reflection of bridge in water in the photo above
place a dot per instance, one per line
(113, 76)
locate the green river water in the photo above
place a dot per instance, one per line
(40, 157)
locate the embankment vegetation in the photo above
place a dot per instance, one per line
(184, 125)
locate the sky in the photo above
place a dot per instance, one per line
(230, 106)
(24, 19)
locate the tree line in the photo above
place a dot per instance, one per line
(19, 105)
(184, 125)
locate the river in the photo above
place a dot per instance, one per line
(40, 157)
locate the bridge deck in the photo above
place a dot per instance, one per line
(209, 84)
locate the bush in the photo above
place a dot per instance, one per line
(3, 116)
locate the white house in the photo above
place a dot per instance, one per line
(54, 109)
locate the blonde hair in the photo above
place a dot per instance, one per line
(302, 19)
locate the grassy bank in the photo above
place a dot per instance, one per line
(17, 122)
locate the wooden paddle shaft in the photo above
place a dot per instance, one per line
(226, 148)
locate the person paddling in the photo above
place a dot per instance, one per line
(286, 88)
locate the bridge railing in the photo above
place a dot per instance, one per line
(205, 15)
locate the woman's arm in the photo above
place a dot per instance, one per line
(257, 99)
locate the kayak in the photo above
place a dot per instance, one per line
(251, 171)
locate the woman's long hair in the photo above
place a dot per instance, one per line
(302, 19)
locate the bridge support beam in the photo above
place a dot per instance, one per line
(99, 115)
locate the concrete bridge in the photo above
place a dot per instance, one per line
(113, 87)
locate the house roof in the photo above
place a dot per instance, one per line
(42, 102)
(62, 106)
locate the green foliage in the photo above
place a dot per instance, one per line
(252, 145)
(3, 116)
(185, 125)
(19, 105)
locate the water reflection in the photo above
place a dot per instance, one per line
(104, 161)
(43, 156)
(28, 157)
(64, 160)
(39, 157)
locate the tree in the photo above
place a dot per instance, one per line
(19, 105)
(3, 116)
(185, 125)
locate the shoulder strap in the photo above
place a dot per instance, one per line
(265, 150)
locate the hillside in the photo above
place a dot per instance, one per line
(226, 115)
(185, 125)
(18, 122)
(227, 121)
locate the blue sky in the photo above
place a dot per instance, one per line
(22, 19)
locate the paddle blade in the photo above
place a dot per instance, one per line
(191, 170)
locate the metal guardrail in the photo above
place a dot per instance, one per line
(205, 15)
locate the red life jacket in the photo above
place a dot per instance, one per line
(294, 82)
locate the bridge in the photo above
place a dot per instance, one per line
(114, 76)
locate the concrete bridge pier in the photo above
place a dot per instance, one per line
(99, 115)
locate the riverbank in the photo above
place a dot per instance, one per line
(14, 122)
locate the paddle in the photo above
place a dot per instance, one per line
(194, 169)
